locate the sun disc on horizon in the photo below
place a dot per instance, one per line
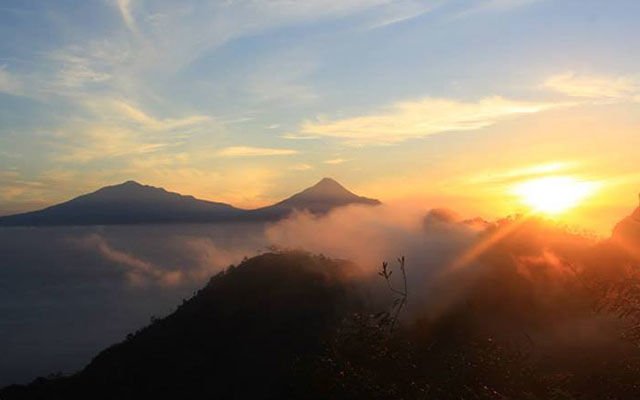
(554, 194)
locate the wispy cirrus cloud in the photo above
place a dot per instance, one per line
(127, 112)
(595, 86)
(81, 66)
(88, 142)
(124, 6)
(110, 83)
(402, 11)
(117, 128)
(493, 6)
(296, 136)
(519, 174)
(248, 151)
(421, 118)
(172, 36)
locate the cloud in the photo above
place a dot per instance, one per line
(451, 261)
(519, 174)
(124, 7)
(401, 11)
(90, 142)
(137, 269)
(421, 118)
(172, 35)
(294, 136)
(372, 235)
(9, 83)
(161, 38)
(595, 86)
(247, 151)
(133, 114)
(200, 255)
(435, 240)
(301, 167)
(335, 161)
(494, 6)
(117, 128)
(79, 67)
(119, 94)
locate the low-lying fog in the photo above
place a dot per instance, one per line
(66, 293)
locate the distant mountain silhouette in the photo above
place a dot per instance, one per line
(134, 203)
(318, 199)
(127, 203)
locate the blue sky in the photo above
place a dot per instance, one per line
(247, 101)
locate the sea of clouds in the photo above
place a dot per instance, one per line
(68, 292)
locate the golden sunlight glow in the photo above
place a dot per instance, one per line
(554, 194)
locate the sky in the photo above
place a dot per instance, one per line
(446, 103)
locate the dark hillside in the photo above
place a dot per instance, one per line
(239, 337)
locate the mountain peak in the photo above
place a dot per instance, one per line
(327, 181)
(127, 189)
(130, 183)
(329, 184)
(328, 188)
(323, 196)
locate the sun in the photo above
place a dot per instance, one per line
(555, 194)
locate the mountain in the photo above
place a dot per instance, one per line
(134, 203)
(240, 337)
(318, 199)
(127, 203)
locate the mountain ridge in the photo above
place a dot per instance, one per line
(131, 202)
